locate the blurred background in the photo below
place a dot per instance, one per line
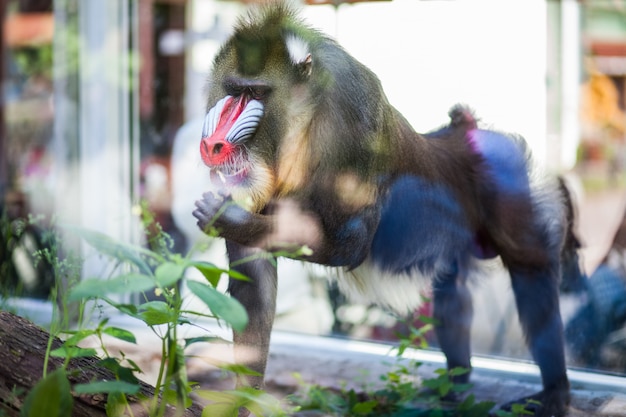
(100, 106)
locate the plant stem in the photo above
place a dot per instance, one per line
(159, 382)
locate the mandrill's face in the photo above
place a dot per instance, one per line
(257, 91)
(228, 127)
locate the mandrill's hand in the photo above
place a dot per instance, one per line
(221, 213)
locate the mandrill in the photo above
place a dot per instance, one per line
(304, 149)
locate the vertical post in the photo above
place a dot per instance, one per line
(3, 168)
(570, 81)
(107, 115)
(145, 43)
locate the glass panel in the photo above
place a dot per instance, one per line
(103, 102)
(69, 147)
(518, 80)
(26, 177)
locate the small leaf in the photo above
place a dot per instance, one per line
(224, 404)
(223, 306)
(73, 352)
(51, 396)
(77, 336)
(207, 339)
(135, 367)
(236, 275)
(118, 250)
(168, 274)
(461, 387)
(458, 371)
(123, 284)
(129, 309)
(227, 403)
(116, 404)
(428, 320)
(444, 389)
(239, 369)
(104, 387)
(365, 407)
(209, 271)
(121, 334)
(121, 372)
(154, 313)
(87, 288)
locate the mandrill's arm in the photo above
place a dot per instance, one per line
(287, 227)
(283, 227)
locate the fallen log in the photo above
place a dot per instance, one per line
(22, 352)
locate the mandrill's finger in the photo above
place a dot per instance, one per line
(210, 195)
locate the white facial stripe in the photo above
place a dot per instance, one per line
(298, 49)
(247, 123)
(212, 118)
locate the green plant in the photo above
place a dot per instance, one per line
(52, 394)
(157, 269)
(402, 394)
(142, 270)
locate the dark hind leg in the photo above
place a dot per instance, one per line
(536, 295)
(534, 261)
(453, 312)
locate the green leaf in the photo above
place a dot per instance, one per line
(470, 408)
(123, 284)
(458, 371)
(227, 403)
(224, 404)
(73, 352)
(121, 372)
(462, 387)
(135, 367)
(105, 387)
(168, 274)
(428, 320)
(121, 334)
(87, 288)
(211, 272)
(236, 274)
(154, 313)
(223, 306)
(129, 309)
(51, 396)
(118, 250)
(77, 336)
(364, 407)
(520, 409)
(239, 369)
(208, 339)
(258, 402)
(221, 409)
(116, 404)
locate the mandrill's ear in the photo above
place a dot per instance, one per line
(300, 54)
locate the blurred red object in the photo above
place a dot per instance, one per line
(28, 29)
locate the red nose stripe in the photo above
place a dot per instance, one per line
(230, 113)
(215, 149)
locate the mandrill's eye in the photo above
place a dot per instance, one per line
(254, 89)
(260, 92)
(233, 89)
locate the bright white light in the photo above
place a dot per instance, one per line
(429, 55)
